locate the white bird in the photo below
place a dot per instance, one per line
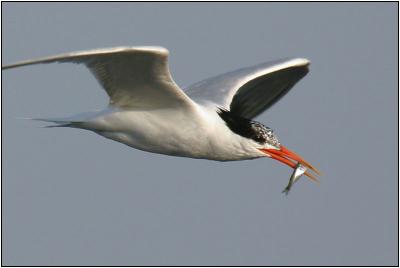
(211, 119)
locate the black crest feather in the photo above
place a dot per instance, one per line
(248, 128)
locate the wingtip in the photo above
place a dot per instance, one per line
(156, 49)
(301, 61)
(61, 57)
(10, 66)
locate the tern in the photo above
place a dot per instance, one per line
(211, 119)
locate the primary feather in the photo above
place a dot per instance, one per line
(247, 92)
(132, 76)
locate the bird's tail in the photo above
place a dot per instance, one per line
(56, 122)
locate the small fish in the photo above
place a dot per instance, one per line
(297, 173)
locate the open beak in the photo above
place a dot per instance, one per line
(290, 158)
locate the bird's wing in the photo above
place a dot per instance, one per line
(133, 77)
(249, 91)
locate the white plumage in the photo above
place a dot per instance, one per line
(210, 119)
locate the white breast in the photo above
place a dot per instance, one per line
(201, 134)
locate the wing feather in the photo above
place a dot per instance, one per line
(133, 77)
(249, 91)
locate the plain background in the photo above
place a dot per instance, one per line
(73, 198)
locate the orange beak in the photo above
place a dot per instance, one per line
(290, 158)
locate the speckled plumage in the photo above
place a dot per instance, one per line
(264, 133)
(249, 129)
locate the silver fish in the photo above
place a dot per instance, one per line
(297, 173)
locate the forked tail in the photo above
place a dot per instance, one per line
(57, 122)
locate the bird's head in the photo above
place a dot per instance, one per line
(265, 141)
(272, 148)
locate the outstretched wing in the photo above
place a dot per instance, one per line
(249, 91)
(133, 77)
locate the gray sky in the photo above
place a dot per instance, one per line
(71, 197)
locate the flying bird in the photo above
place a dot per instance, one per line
(211, 119)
